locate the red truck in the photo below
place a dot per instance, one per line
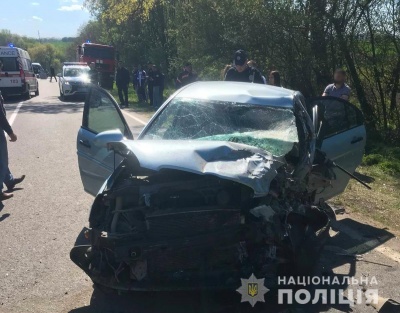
(104, 58)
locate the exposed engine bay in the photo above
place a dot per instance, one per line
(172, 229)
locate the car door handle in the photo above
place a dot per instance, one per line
(85, 143)
(356, 139)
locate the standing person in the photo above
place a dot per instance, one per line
(186, 77)
(122, 80)
(162, 85)
(253, 63)
(52, 73)
(274, 79)
(225, 70)
(156, 78)
(94, 75)
(134, 82)
(339, 88)
(139, 80)
(242, 72)
(6, 177)
(149, 82)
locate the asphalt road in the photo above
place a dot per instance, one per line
(40, 224)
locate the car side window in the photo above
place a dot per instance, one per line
(352, 116)
(29, 64)
(101, 113)
(337, 116)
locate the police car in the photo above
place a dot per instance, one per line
(74, 79)
(16, 73)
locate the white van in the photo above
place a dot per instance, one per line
(16, 73)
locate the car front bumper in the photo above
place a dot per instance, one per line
(182, 264)
(75, 89)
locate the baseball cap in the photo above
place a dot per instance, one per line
(240, 57)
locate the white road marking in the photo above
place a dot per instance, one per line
(14, 114)
(135, 118)
(374, 244)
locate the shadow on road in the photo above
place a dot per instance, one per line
(341, 249)
(4, 216)
(12, 99)
(365, 178)
(79, 98)
(51, 108)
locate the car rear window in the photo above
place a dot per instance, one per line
(10, 64)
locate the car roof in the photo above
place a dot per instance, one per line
(248, 93)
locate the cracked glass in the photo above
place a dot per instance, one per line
(272, 129)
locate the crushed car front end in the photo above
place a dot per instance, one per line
(219, 186)
(232, 210)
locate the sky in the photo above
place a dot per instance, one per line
(52, 18)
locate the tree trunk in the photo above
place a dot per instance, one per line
(367, 109)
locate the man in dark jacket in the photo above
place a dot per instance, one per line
(157, 80)
(5, 174)
(122, 80)
(186, 77)
(242, 72)
(52, 73)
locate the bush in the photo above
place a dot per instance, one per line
(372, 159)
(390, 167)
(384, 157)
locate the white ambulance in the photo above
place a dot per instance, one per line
(16, 73)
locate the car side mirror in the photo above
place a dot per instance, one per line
(59, 75)
(102, 139)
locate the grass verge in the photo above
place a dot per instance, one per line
(381, 169)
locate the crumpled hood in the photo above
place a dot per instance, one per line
(241, 163)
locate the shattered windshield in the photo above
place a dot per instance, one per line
(75, 72)
(272, 129)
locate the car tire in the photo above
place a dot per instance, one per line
(62, 96)
(37, 91)
(103, 290)
(27, 95)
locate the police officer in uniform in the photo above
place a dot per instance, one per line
(242, 72)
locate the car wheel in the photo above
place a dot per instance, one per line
(62, 96)
(27, 95)
(37, 91)
(103, 290)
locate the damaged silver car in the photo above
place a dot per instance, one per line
(227, 179)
